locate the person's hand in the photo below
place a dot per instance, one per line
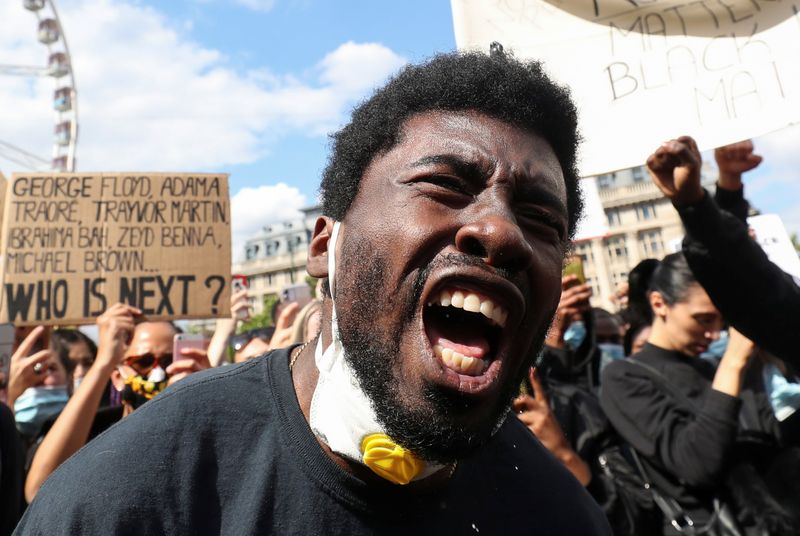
(574, 302)
(192, 360)
(283, 327)
(675, 169)
(732, 161)
(534, 412)
(240, 307)
(114, 331)
(739, 352)
(26, 370)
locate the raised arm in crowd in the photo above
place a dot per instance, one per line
(753, 294)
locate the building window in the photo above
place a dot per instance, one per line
(251, 252)
(613, 216)
(652, 245)
(606, 180)
(645, 211)
(268, 280)
(617, 250)
(638, 174)
(592, 282)
(584, 251)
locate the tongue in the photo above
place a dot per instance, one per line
(470, 346)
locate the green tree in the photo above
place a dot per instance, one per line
(796, 242)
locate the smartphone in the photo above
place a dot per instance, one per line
(239, 283)
(183, 341)
(7, 332)
(574, 266)
(299, 293)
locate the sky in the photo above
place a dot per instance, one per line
(248, 87)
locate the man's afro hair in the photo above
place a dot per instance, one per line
(498, 85)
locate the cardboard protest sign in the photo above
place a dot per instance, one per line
(644, 71)
(75, 243)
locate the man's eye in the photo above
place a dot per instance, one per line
(542, 216)
(454, 184)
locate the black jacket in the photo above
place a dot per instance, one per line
(686, 452)
(753, 294)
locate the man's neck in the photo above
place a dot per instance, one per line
(304, 378)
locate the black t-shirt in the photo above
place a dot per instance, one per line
(228, 451)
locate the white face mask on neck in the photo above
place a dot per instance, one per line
(341, 414)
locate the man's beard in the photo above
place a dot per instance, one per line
(433, 424)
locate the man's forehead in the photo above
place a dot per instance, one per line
(482, 139)
(150, 336)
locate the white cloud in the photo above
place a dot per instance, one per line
(151, 98)
(253, 208)
(257, 5)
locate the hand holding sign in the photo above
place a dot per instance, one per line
(675, 169)
(733, 160)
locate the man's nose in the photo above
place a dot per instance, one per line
(497, 239)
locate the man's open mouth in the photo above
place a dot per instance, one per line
(464, 328)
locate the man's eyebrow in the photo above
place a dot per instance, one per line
(464, 168)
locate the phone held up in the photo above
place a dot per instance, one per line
(574, 266)
(299, 293)
(184, 341)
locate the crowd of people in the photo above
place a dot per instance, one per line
(670, 389)
(676, 414)
(63, 389)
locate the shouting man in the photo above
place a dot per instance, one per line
(449, 201)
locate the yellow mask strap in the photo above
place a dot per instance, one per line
(389, 460)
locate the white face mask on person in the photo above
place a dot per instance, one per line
(341, 414)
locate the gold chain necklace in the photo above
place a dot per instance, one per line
(296, 353)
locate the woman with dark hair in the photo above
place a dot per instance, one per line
(76, 352)
(687, 421)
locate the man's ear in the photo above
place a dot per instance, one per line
(318, 248)
(658, 304)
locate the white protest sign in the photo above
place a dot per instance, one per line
(773, 238)
(594, 223)
(771, 235)
(644, 71)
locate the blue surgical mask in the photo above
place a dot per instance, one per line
(610, 352)
(575, 334)
(716, 349)
(38, 404)
(784, 396)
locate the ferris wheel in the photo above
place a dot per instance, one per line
(49, 33)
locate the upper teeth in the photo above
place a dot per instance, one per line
(469, 301)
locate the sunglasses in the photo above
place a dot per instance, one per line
(240, 341)
(144, 363)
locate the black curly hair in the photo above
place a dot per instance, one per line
(498, 85)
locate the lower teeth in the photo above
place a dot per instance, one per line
(470, 366)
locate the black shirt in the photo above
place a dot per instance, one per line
(685, 452)
(228, 451)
